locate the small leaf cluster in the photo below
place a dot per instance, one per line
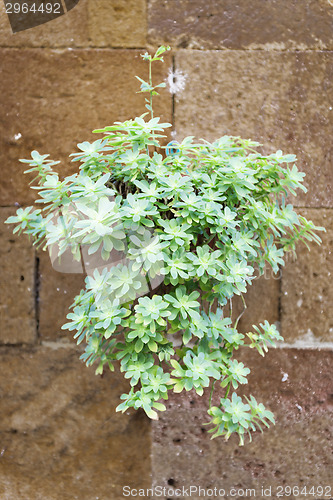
(235, 416)
(189, 225)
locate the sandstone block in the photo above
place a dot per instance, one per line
(57, 292)
(17, 286)
(120, 23)
(280, 99)
(60, 435)
(68, 30)
(262, 302)
(307, 288)
(297, 451)
(241, 24)
(58, 98)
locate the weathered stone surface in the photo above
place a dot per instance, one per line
(17, 285)
(262, 302)
(68, 30)
(56, 293)
(60, 436)
(274, 24)
(52, 100)
(281, 99)
(307, 287)
(120, 23)
(297, 387)
(97, 23)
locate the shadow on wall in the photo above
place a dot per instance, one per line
(23, 15)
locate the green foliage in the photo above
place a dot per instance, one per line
(188, 223)
(234, 416)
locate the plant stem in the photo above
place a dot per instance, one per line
(151, 92)
(243, 311)
(227, 391)
(211, 394)
(226, 394)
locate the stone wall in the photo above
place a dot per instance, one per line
(261, 69)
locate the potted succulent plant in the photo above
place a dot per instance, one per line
(167, 235)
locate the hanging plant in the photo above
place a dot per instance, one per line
(175, 232)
